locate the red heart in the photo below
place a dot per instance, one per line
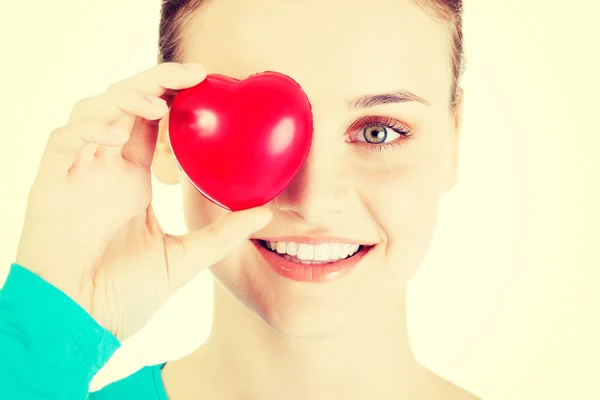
(241, 142)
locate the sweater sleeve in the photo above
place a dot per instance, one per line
(50, 347)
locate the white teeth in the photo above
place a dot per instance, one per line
(346, 250)
(292, 248)
(336, 250)
(308, 253)
(281, 247)
(322, 252)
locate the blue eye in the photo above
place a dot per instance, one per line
(380, 133)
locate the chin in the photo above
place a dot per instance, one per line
(254, 293)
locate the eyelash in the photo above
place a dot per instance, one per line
(388, 123)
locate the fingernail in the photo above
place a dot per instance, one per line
(263, 218)
(193, 67)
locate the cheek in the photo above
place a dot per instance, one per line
(403, 200)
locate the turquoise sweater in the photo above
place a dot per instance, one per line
(51, 348)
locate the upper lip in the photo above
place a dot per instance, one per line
(315, 240)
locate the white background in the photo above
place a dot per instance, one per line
(505, 305)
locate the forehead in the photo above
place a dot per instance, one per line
(332, 48)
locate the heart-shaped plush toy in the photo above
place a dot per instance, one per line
(241, 142)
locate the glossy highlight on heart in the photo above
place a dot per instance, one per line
(241, 142)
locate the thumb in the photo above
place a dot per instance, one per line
(189, 254)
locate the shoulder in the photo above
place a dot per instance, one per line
(182, 380)
(436, 387)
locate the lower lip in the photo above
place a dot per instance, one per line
(325, 272)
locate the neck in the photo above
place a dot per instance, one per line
(370, 361)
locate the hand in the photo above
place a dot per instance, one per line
(89, 227)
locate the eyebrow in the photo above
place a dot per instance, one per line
(373, 100)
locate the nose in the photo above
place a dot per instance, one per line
(320, 189)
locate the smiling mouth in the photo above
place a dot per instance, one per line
(314, 255)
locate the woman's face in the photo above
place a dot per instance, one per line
(363, 179)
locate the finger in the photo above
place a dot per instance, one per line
(162, 81)
(158, 86)
(88, 153)
(141, 146)
(190, 254)
(117, 104)
(126, 122)
(164, 78)
(66, 142)
(120, 108)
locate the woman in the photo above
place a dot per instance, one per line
(383, 80)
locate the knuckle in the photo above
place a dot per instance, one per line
(118, 95)
(166, 71)
(116, 87)
(167, 67)
(121, 94)
(58, 136)
(81, 104)
(214, 229)
(58, 132)
(218, 231)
